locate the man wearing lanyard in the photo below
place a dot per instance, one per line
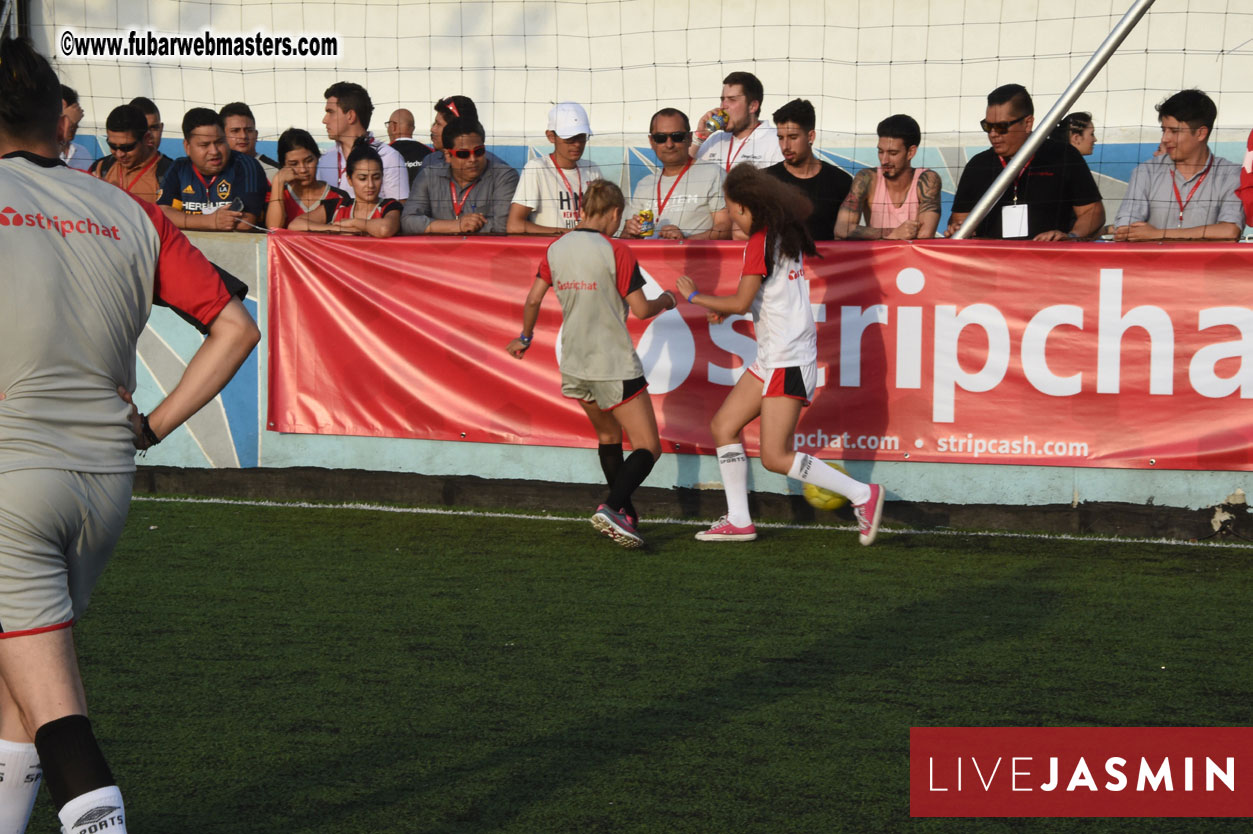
(347, 119)
(1054, 196)
(469, 195)
(746, 138)
(825, 185)
(135, 165)
(685, 197)
(549, 200)
(1188, 193)
(212, 189)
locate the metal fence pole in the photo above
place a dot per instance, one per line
(1094, 65)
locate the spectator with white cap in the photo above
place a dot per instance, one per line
(549, 199)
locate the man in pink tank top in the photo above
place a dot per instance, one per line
(894, 201)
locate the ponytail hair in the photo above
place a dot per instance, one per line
(30, 93)
(602, 197)
(777, 207)
(362, 152)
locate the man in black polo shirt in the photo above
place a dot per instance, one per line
(1054, 196)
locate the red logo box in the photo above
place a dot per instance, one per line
(1081, 772)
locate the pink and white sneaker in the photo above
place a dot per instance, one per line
(724, 531)
(615, 526)
(869, 514)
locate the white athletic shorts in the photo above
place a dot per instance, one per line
(57, 531)
(795, 383)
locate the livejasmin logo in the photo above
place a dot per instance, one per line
(1080, 771)
(64, 226)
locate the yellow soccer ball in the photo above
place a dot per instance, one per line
(825, 499)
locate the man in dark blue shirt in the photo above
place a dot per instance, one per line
(212, 189)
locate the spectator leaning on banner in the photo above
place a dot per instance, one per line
(1188, 193)
(746, 138)
(549, 199)
(825, 185)
(241, 134)
(1054, 196)
(212, 189)
(897, 200)
(134, 165)
(471, 194)
(400, 135)
(348, 110)
(296, 188)
(685, 197)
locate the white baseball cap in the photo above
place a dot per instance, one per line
(567, 119)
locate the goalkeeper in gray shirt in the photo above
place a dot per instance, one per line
(598, 281)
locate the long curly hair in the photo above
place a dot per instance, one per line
(777, 207)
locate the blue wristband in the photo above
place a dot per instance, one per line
(524, 339)
(693, 295)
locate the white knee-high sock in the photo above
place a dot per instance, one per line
(89, 811)
(809, 469)
(733, 465)
(20, 775)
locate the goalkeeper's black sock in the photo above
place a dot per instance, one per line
(611, 465)
(632, 474)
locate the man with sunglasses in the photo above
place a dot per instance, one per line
(685, 196)
(1187, 193)
(134, 165)
(468, 195)
(1054, 196)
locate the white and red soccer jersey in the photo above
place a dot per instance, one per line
(782, 315)
(83, 266)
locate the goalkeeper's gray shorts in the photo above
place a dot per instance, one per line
(57, 531)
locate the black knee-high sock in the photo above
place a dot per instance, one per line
(632, 474)
(72, 762)
(611, 465)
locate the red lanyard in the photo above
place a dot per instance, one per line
(731, 152)
(1020, 173)
(1183, 204)
(576, 197)
(144, 170)
(458, 205)
(339, 167)
(207, 193)
(661, 204)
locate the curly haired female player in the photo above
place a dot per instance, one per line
(597, 281)
(781, 380)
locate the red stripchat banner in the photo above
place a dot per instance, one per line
(1081, 771)
(1104, 355)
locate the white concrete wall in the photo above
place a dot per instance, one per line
(857, 60)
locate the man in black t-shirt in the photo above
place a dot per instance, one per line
(1054, 196)
(824, 184)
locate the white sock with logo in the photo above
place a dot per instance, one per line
(809, 469)
(733, 465)
(98, 810)
(19, 785)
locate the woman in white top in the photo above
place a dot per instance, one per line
(781, 380)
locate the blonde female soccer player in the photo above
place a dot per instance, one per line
(781, 380)
(598, 280)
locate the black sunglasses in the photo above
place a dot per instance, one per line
(678, 137)
(127, 148)
(999, 127)
(466, 153)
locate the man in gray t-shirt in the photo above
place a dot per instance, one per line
(685, 196)
(1188, 193)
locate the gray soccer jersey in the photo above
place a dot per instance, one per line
(593, 275)
(83, 262)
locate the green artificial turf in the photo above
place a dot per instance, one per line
(262, 669)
